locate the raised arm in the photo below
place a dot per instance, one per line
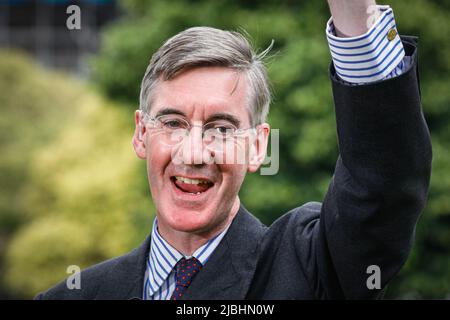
(381, 179)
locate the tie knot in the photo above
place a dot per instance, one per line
(186, 270)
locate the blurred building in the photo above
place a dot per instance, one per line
(39, 28)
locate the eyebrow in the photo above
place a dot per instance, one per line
(216, 116)
(224, 116)
(166, 111)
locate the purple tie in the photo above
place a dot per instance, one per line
(185, 269)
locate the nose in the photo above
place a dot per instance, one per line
(193, 146)
(192, 151)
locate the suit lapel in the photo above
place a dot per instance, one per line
(226, 275)
(126, 278)
(230, 268)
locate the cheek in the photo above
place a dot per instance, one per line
(158, 158)
(234, 153)
(233, 175)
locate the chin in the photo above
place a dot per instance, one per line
(186, 220)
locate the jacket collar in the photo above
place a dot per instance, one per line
(230, 268)
(126, 278)
(227, 275)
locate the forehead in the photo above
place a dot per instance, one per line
(201, 92)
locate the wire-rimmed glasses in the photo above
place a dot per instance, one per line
(173, 129)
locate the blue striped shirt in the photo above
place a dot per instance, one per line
(376, 55)
(159, 280)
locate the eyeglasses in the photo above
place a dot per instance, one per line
(175, 128)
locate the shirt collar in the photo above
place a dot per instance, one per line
(163, 257)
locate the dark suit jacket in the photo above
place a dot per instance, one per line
(316, 251)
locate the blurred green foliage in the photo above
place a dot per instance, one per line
(72, 191)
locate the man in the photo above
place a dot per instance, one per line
(205, 96)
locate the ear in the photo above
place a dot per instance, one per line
(138, 136)
(259, 148)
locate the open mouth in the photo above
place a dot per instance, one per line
(191, 186)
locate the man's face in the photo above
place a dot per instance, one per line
(194, 194)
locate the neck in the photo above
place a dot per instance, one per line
(188, 242)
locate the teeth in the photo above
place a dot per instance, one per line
(191, 181)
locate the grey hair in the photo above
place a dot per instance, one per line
(205, 46)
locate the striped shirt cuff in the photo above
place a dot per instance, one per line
(372, 56)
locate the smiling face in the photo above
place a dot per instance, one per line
(194, 194)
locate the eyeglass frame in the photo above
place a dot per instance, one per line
(237, 131)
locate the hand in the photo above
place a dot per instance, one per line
(353, 17)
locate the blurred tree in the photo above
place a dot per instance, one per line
(31, 113)
(72, 191)
(302, 107)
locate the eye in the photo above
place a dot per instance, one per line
(223, 129)
(172, 123)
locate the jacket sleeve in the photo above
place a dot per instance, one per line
(379, 187)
